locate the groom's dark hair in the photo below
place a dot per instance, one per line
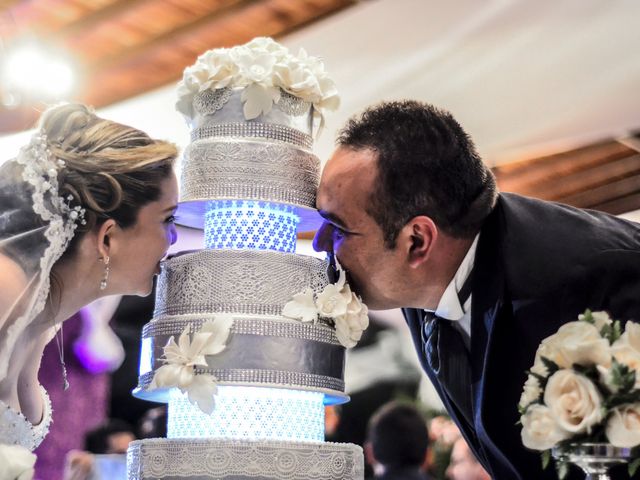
(427, 165)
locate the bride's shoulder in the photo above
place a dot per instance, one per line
(13, 283)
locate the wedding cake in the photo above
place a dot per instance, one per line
(248, 338)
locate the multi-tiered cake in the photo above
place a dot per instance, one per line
(248, 338)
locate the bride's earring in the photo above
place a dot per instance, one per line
(105, 276)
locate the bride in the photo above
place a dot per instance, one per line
(86, 210)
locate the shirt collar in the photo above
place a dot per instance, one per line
(449, 306)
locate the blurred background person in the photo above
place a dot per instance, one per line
(104, 456)
(463, 465)
(397, 441)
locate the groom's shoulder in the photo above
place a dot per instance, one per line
(553, 218)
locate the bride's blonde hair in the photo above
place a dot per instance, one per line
(111, 170)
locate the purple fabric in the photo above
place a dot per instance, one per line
(75, 411)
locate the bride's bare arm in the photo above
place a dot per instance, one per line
(13, 284)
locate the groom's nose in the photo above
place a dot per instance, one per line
(322, 240)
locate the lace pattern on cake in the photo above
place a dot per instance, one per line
(15, 429)
(210, 101)
(239, 282)
(268, 131)
(236, 169)
(236, 459)
(292, 105)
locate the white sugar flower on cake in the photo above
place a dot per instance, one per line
(16, 463)
(264, 68)
(182, 358)
(336, 302)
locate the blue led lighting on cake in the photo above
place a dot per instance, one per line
(250, 413)
(250, 224)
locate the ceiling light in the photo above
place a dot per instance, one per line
(34, 72)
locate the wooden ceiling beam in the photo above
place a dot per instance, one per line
(98, 16)
(604, 193)
(565, 185)
(529, 174)
(625, 204)
(231, 7)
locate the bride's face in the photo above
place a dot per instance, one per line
(136, 251)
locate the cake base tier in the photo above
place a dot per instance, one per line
(197, 459)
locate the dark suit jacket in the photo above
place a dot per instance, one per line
(537, 266)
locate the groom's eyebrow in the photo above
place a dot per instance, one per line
(333, 218)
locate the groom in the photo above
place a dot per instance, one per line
(414, 216)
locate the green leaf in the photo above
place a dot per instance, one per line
(616, 331)
(552, 367)
(546, 458)
(633, 467)
(622, 377)
(588, 317)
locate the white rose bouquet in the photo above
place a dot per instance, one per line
(584, 387)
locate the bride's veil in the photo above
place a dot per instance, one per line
(36, 225)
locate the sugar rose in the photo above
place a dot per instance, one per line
(623, 427)
(16, 463)
(540, 430)
(574, 401)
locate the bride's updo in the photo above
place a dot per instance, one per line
(111, 170)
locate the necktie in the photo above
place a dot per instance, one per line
(448, 357)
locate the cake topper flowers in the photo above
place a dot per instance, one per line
(182, 358)
(584, 387)
(336, 302)
(266, 71)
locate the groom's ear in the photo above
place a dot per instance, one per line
(105, 234)
(418, 237)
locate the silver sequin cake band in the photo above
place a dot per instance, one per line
(256, 377)
(266, 131)
(283, 328)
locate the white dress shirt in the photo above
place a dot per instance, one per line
(449, 305)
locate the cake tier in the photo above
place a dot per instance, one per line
(197, 459)
(264, 348)
(243, 282)
(231, 158)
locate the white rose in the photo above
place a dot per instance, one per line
(600, 318)
(531, 392)
(267, 45)
(332, 302)
(626, 349)
(574, 401)
(16, 463)
(576, 342)
(540, 431)
(350, 326)
(298, 81)
(623, 427)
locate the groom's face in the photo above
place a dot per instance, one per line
(374, 271)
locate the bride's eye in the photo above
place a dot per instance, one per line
(170, 219)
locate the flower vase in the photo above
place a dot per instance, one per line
(594, 459)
